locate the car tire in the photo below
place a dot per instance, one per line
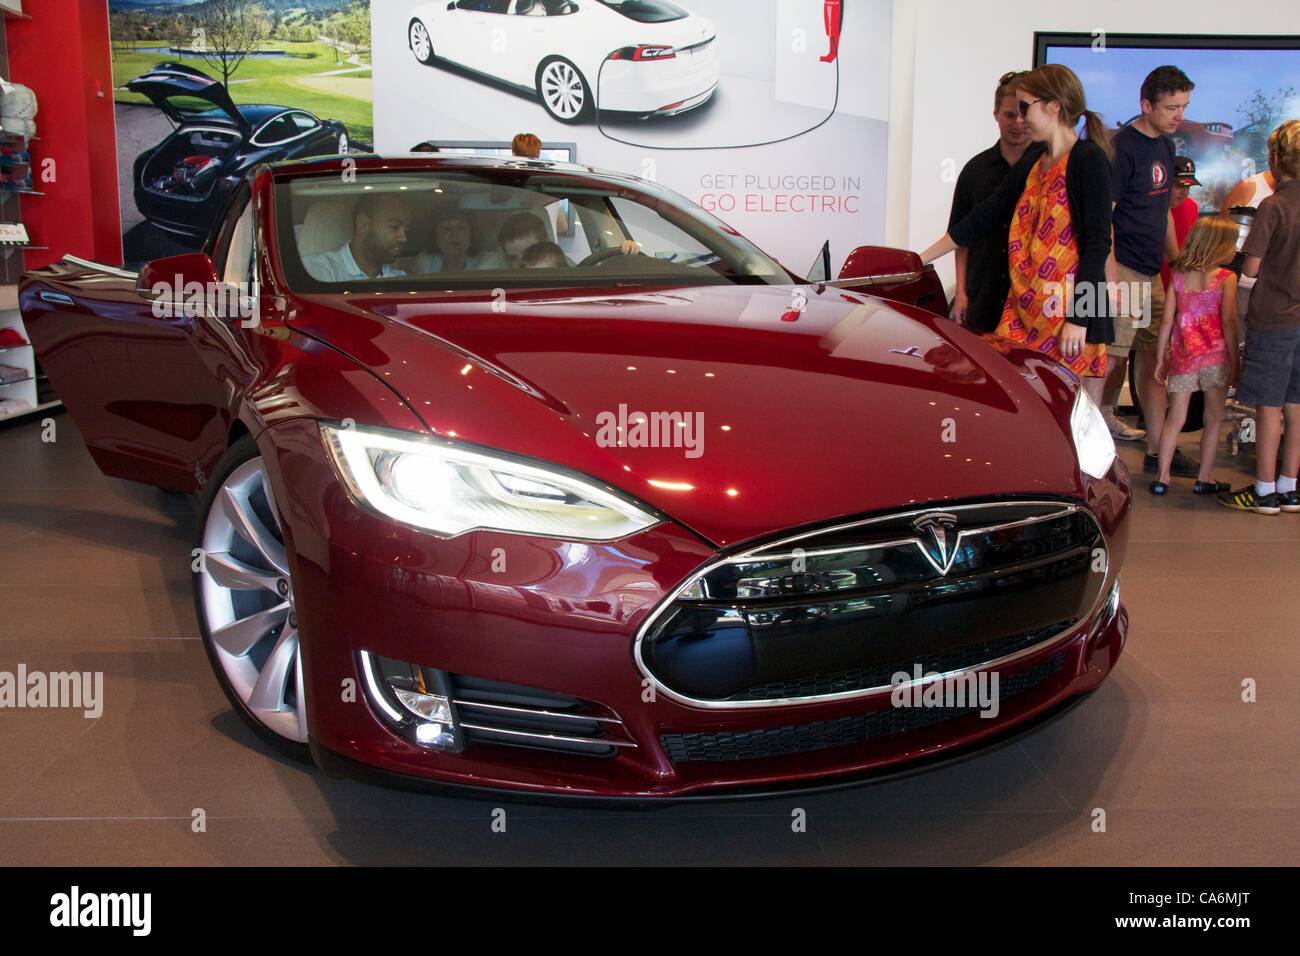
(564, 91)
(283, 731)
(420, 41)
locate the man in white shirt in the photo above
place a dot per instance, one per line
(379, 225)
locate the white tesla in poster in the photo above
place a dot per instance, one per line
(648, 57)
(771, 114)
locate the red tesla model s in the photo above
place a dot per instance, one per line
(522, 476)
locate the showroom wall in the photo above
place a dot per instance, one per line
(61, 51)
(947, 58)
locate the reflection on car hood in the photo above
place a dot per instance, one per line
(788, 415)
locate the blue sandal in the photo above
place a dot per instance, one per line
(1159, 488)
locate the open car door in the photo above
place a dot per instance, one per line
(140, 385)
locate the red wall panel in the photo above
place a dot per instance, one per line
(63, 54)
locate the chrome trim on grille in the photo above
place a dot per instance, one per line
(595, 742)
(534, 712)
(759, 553)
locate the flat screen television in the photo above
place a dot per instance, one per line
(1245, 87)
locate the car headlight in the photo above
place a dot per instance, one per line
(1093, 443)
(449, 489)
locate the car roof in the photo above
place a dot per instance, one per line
(373, 162)
(258, 112)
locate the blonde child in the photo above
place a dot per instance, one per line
(1197, 345)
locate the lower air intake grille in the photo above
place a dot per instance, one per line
(841, 732)
(881, 674)
(492, 712)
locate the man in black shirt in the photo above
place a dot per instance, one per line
(982, 278)
(1142, 177)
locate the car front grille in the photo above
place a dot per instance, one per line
(839, 611)
(492, 712)
(790, 739)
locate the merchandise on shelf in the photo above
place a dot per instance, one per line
(14, 406)
(15, 162)
(13, 234)
(17, 109)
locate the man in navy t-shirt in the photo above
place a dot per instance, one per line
(1142, 178)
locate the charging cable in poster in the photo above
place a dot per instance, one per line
(700, 121)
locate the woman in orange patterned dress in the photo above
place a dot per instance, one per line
(1058, 196)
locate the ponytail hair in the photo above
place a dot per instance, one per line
(1095, 130)
(1061, 85)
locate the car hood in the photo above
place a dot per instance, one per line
(173, 88)
(791, 412)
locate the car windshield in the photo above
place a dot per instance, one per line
(647, 11)
(406, 230)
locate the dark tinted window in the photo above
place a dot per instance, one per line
(647, 11)
(281, 128)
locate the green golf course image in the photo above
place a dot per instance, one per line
(328, 82)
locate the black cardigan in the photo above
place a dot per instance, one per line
(1087, 187)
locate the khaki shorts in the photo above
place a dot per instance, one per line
(1212, 376)
(1135, 329)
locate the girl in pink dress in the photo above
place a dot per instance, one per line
(1198, 343)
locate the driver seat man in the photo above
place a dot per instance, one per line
(379, 225)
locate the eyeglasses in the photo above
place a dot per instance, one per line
(1010, 75)
(1024, 107)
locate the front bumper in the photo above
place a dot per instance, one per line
(563, 618)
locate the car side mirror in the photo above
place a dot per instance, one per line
(171, 275)
(882, 263)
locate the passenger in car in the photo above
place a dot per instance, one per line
(517, 234)
(379, 225)
(544, 255)
(453, 240)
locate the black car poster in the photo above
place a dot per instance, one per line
(205, 89)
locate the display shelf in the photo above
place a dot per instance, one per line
(15, 416)
(33, 388)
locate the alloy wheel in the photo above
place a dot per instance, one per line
(421, 43)
(247, 602)
(563, 90)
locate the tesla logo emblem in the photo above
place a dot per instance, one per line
(940, 544)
